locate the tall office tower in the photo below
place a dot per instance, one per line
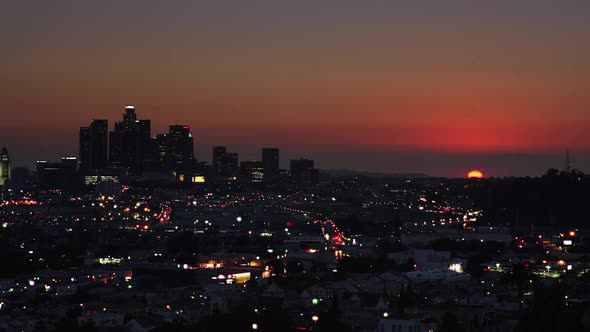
(4, 167)
(270, 161)
(131, 143)
(117, 139)
(116, 147)
(94, 146)
(84, 148)
(161, 153)
(251, 171)
(218, 153)
(180, 149)
(303, 173)
(229, 164)
(142, 143)
(129, 117)
(99, 131)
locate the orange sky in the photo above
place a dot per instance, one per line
(463, 78)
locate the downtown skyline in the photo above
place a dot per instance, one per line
(497, 87)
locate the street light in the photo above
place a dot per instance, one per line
(315, 318)
(254, 326)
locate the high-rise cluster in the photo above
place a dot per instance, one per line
(131, 149)
(130, 143)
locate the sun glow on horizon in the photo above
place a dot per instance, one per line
(475, 174)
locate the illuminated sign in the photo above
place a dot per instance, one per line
(198, 179)
(109, 260)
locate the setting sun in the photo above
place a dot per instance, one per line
(475, 174)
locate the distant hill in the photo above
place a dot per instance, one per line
(347, 172)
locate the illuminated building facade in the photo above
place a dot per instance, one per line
(4, 167)
(251, 171)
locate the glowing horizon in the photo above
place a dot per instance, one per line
(465, 79)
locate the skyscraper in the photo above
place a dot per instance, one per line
(142, 145)
(4, 167)
(270, 161)
(180, 149)
(94, 146)
(99, 130)
(84, 148)
(116, 148)
(129, 116)
(218, 152)
(131, 143)
(303, 173)
(229, 164)
(161, 153)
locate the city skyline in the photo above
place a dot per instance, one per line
(492, 165)
(350, 166)
(386, 87)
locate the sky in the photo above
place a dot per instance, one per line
(438, 87)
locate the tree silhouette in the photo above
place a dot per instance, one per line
(520, 276)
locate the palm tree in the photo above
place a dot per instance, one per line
(521, 276)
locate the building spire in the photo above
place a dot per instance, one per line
(568, 162)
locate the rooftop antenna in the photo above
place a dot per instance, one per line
(568, 162)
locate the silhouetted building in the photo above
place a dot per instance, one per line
(58, 175)
(70, 163)
(84, 149)
(251, 171)
(116, 149)
(225, 163)
(4, 167)
(203, 169)
(303, 172)
(94, 146)
(152, 161)
(142, 142)
(21, 178)
(229, 164)
(270, 161)
(131, 143)
(218, 153)
(179, 150)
